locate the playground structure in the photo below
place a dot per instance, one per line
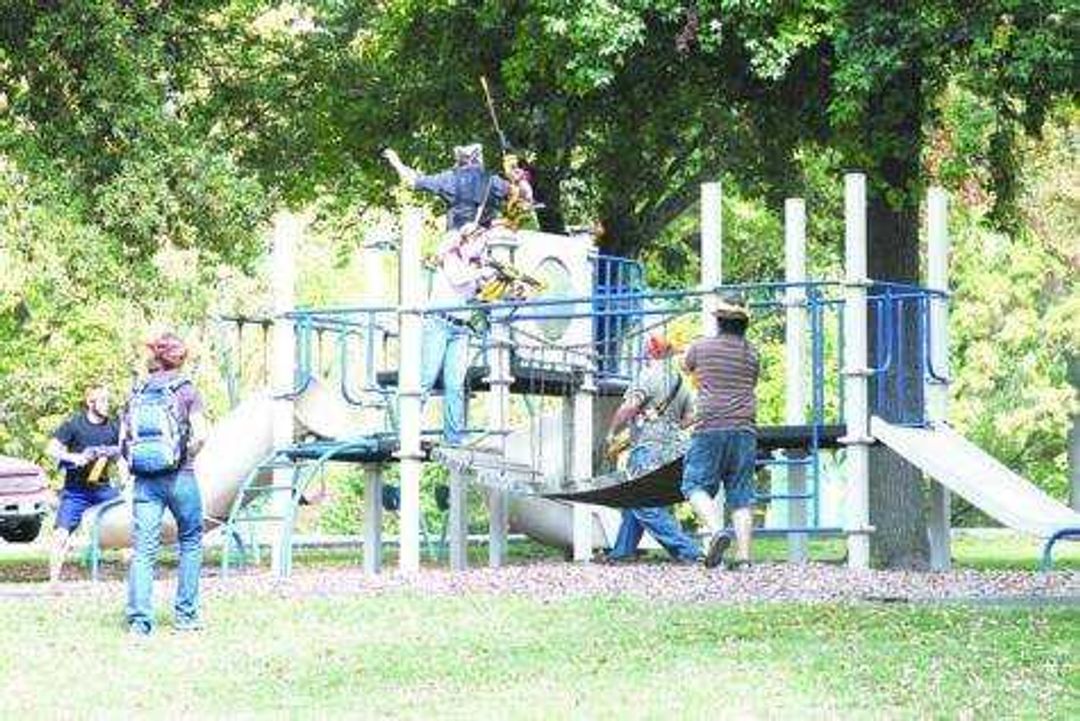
(552, 369)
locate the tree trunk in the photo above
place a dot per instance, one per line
(548, 193)
(897, 496)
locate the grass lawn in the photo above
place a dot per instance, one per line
(478, 656)
(402, 655)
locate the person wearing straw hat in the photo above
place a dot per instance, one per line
(655, 408)
(723, 447)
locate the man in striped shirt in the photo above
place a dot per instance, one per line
(723, 448)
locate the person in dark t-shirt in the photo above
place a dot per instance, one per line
(83, 446)
(472, 194)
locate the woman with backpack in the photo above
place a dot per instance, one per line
(163, 429)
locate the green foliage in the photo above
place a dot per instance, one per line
(107, 114)
(1016, 319)
(117, 206)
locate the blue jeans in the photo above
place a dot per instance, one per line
(663, 527)
(178, 492)
(74, 502)
(445, 347)
(718, 456)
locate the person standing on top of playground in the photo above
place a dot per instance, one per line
(723, 447)
(473, 195)
(656, 407)
(83, 446)
(163, 430)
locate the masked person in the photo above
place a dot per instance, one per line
(654, 409)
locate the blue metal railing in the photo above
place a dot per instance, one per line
(617, 283)
(621, 310)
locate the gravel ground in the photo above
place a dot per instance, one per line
(665, 582)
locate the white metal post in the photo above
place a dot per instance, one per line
(410, 320)
(795, 359)
(856, 372)
(373, 487)
(711, 252)
(712, 267)
(459, 515)
(581, 464)
(499, 380)
(937, 389)
(287, 229)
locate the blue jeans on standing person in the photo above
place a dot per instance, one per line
(722, 456)
(658, 520)
(445, 347)
(179, 492)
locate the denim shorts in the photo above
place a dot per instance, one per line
(718, 456)
(74, 502)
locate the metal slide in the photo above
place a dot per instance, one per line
(243, 438)
(235, 445)
(982, 480)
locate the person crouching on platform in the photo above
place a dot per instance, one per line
(655, 409)
(723, 447)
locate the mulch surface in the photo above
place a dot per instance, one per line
(665, 582)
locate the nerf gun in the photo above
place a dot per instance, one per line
(97, 457)
(507, 283)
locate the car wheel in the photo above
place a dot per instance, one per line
(23, 531)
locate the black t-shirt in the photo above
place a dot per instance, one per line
(76, 434)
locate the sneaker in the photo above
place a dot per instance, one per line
(188, 625)
(742, 565)
(718, 545)
(138, 632)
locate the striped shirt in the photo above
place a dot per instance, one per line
(727, 370)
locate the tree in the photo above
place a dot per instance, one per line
(630, 105)
(116, 205)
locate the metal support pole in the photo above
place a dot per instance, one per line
(794, 363)
(499, 380)
(410, 322)
(937, 389)
(582, 466)
(459, 517)
(856, 373)
(373, 490)
(287, 229)
(711, 252)
(712, 266)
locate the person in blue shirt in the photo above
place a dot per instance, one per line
(472, 193)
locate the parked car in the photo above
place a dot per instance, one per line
(24, 499)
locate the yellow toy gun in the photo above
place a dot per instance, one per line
(507, 283)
